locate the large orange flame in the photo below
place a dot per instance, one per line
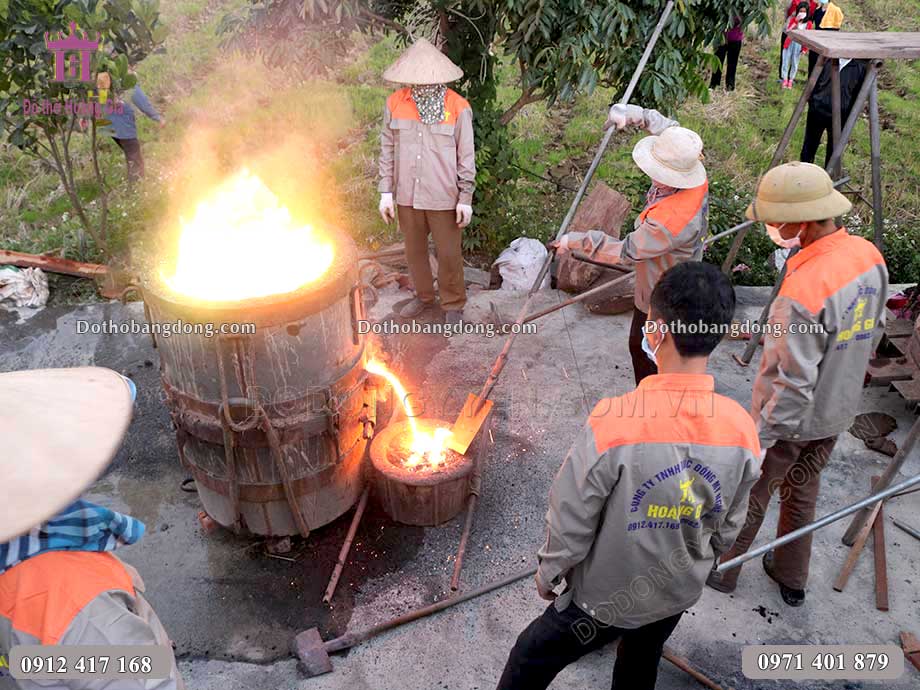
(241, 243)
(425, 447)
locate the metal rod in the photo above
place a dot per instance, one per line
(836, 108)
(685, 666)
(351, 639)
(346, 547)
(864, 504)
(779, 153)
(503, 355)
(748, 223)
(577, 298)
(875, 137)
(887, 477)
(472, 503)
(907, 528)
(856, 109)
(754, 342)
(584, 258)
(464, 539)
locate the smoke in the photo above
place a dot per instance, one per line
(285, 130)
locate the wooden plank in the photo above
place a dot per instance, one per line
(855, 550)
(909, 390)
(911, 646)
(883, 371)
(52, 264)
(880, 45)
(880, 557)
(899, 328)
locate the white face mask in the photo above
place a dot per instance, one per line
(773, 232)
(802, 17)
(647, 348)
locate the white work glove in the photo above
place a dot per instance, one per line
(571, 241)
(656, 123)
(464, 214)
(622, 116)
(386, 208)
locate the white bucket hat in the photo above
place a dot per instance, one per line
(423, 64)
(59, 429)
(672, 158)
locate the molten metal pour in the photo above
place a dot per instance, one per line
(425, 447)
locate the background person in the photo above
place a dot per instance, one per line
(826, 17)
(790, 11)
(428, 161)
(730, 50)
(820, 113)
(650, 492)
(123, 128)
(59, 582)
(792, 49)
(673, 224)
(831, 311)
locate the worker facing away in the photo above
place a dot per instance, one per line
(673, 224)
(59, 582)
(653, 489)
(830, 314)
(428, 172)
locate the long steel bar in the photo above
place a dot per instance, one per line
(875, 137)
(503, 356)
(346, 547)
(836, 109)
(867, 503)
(887, 477)
(780, 152)
(907, 528)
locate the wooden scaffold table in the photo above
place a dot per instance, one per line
(834, 46)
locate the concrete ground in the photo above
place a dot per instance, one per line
(232, 610)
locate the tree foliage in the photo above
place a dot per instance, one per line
(128, 30)
(562, 48)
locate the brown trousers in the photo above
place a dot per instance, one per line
(415, 226)
(793, 468)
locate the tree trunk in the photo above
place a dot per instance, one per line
(527, 97)
(64, 170)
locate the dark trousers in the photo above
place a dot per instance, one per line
(642, 365)
(133, 158)
(794, 470)
(730, 50)
(556, 639)
(816, 125)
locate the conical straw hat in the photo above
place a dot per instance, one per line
(421, 64)
(59, 429)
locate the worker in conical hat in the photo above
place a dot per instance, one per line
(673, 224)
(825, 323)
(428, 172)
(59, 582)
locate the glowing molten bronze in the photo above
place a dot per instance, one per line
(426, 448)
